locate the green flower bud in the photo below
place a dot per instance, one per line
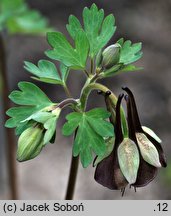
(30, 143)
(111, 56)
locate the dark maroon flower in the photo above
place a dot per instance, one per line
(135, 157)
(151, 152)
(108, 172)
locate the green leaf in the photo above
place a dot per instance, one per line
(46, 71)
(29, 22)
(119, 68)
(74, 26)
(9, 9)
(32, 99)
(121, 41)
(91, 130)
(74, 58)
(31, 95)
(98, 30)
(130, 52)
(109, 147)
(49, 120)
(99, 113)
(16, 16)
(8, 5)
(129, 160)
(112, 71)
(50, 126)
(129, 68)
(17, 115)
(64, 72)
(101, 127)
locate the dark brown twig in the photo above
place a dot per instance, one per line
(72, 176)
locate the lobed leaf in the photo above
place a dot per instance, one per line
(74, 58)
(74, 26)
(30, 94)
(46, 71)
(98, 30)
(91, 130)
(130, 52)
(32, 99)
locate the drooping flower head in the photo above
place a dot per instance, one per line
(136, 155)
(145, 136)
(108, 172)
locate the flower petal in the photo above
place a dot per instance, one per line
(148, 150)
(159, 148)
(128, 157)
(151, 133)
(108, 173)
(146, 173)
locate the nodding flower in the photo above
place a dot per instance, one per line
(108, 172)
(151, 153)
(136, 155)
(148, 142)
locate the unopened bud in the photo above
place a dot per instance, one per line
(30, 143)
(111, 56)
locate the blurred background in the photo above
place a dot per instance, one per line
(147, 21)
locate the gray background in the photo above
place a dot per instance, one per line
(148, 21)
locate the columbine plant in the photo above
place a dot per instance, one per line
(124, 151)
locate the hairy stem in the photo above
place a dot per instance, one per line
(9, 133)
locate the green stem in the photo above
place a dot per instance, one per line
(86, 73)
(68, 93)
(9, 133)
(110, 109)
(97, 86)
(92, 66)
